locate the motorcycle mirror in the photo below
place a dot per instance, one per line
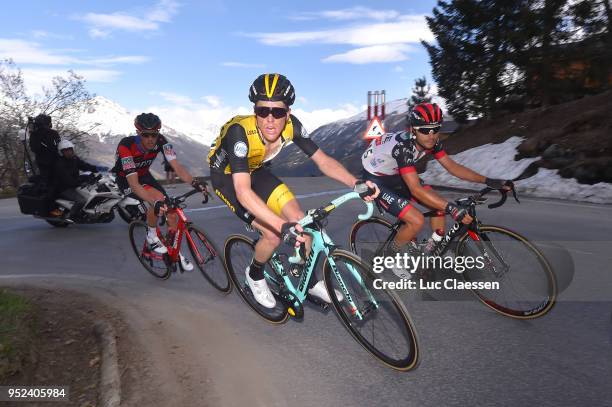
(22, 134)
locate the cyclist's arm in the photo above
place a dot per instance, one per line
(170, 157)
(333, 169)
(253, 203)
(138, 189)
(421, 194)
(460, 171)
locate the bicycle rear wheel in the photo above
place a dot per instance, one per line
(156, 264)
(239, 252)
(208, 259)
(368, 236)
(377, 319)
(527, 284)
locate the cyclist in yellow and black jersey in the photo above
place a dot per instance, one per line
(251, 191)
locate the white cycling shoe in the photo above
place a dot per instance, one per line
(156, 245)
(261, 291)
(186, 265)
(319, 291)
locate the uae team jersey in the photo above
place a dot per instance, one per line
(396, 153)
(132, 158)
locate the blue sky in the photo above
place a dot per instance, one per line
(181, 57)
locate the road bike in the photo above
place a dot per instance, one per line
(203, 251)
(376, 318)
(527, 284)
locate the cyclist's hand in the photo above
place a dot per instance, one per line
(200, 186)
(459, 213)
(367, 190)
(506, 185)
(159, 207)
(291, 234)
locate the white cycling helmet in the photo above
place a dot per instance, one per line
(63, 145)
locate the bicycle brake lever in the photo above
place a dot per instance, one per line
(499, 203)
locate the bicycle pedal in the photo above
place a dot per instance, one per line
(317, 301)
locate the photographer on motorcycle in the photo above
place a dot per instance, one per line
(67, 177)
(43, 142)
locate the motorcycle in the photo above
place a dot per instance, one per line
(102, 198)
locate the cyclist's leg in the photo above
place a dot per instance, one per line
(269, 240)
(395, 199)
(437, 222)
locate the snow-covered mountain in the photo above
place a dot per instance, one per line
(108, 122)
(342, 139)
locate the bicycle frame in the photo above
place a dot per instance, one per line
(321, 244)
(181, 229)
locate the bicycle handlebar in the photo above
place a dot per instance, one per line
(321, 213)
(502, 200)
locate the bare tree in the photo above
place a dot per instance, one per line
(63, 101)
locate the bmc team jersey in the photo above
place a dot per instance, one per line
(240, 147)
(132, 158)
(396, 153)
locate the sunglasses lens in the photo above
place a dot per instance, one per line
(264, 111)
(149, 135)
(427, 130)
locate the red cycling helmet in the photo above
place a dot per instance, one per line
(426, 114)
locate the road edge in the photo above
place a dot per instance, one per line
(110, 380)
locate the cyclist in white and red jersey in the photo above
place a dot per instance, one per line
(390, 162)
(134, 157)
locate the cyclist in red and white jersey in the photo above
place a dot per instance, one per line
(134, 157)
(390, 162)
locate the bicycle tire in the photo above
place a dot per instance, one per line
(223, 283)
(386, 300)
(136, 247)
(361, 240)
(548, 281)
(276, 315)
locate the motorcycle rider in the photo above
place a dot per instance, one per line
(67, 177)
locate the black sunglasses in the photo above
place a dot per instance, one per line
(427, 130)
(149, 134)
(265, 111)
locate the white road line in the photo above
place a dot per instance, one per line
(335, 191)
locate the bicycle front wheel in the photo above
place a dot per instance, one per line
(239, 251)
(375, 317)
(156, 264)
(521, 282)
(208, 259)
(368, 236)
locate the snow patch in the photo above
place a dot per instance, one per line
(497, 161)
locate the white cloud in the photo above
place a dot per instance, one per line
(28, 52)
(407, 29)
(378, 41)
(398, 68)
(354, 13)
(214, 101)
(35, 79)
(374, 54)
(175, 98)
(313, 119)
(39, 34)
(242, 65)
(102, 24)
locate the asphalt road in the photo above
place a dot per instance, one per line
(204, 348)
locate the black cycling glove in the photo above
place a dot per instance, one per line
(457, 212)
(498, 183)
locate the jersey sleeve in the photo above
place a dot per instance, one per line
(402, 155)
(438, 150)
(302, 139)
(166, 148)
(125, 157)
(236, 144)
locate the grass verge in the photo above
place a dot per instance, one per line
(17, 333)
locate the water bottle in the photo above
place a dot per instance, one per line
(436, 237)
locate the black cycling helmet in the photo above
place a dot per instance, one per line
(42, 120)
(272, 87)
(147, 122)
(426, 114)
